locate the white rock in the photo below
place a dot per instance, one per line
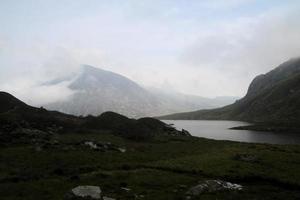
(93, 192)
(92, 145)
(122, 150)
(213, 186)
(108, 198)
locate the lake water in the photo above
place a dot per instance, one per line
(219, 130)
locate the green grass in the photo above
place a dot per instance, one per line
(163, 168)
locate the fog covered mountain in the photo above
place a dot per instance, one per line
(97, 91)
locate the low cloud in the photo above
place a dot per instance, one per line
(206, 48)
(241, 49)
(38, 95)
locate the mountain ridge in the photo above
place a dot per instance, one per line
(97, 91)
(16, 116)
(271, 97)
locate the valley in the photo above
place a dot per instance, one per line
(44, 154)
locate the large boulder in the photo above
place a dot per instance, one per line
(85, 192)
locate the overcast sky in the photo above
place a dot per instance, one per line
(207, 48)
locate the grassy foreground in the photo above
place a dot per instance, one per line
(163, 168)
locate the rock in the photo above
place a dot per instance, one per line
(181, 187)
(122, 150)
(212, 186)
(125, 189)
(85, 192)
(54, 142)
(108, 198)
(38, 149)
(246, 157)
(92, 145)
(185, 132)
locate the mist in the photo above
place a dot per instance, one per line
(207, 48)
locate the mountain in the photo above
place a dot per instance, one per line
(172, 100)
(271, 97)
(97, 91)
(8, 102)
(16, 113)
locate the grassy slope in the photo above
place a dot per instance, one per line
(154, 169)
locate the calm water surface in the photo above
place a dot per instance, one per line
(219, 130)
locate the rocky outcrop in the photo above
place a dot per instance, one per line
(84, 193)
(108, 198)
(212, 186)
(103, 146)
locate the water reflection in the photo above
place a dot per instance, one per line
(219, 130)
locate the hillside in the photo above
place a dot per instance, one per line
(97, 91)
(271, 97)
(8, 102)
(44, 156)
(18, 117)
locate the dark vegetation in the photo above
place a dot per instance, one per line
(17, 115)
(143, 128)
(272, 99)
(163, 167)
(45, 154)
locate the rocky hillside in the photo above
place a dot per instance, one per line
(271, 97)
(97, 91)
(19, 120)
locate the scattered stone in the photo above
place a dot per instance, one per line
(246, 157)
(122, 150)
(85, 192)
(213, 186)
(125, 189)
(98, 146)
(188, 197)
(91, 144)
(67, 148)
(38, 149)
(54, 142)
(182, 186)
(136, 196)
(108, 198)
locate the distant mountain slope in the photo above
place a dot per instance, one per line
(97, 91)
(271, 97)
(171, 100)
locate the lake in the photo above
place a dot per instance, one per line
(219, 130)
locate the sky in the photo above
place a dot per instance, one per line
(208, 48)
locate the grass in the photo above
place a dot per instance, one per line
(163, 168)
